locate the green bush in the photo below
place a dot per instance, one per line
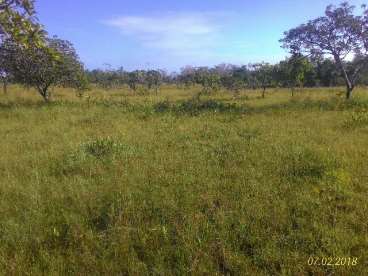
(104, 147)
(162, 106)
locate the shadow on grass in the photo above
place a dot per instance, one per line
(20, 104)
(36, 105)
(194, 106)
(333, 104)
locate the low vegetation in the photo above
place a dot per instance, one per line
(169, 184)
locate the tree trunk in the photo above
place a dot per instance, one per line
(349, 86)
(349, 82)
(349, 92)
(198, 96)
(45, 94)
(5, 86)
(264, 92)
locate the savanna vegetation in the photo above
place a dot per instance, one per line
(119, 183)
(231, 170)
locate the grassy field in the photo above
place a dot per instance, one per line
(122, 184)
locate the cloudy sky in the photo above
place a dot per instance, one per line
(170, 34)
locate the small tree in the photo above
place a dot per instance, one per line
(37, 66)
(4, 79)
(263, 73)
(134, 79)
(252, 80)
(210, 81)
(232, 83)
(300, 67)
(153, 80)
(327, 73)
(339, 33)
(4, 76)
(292, 72)
(187, 77)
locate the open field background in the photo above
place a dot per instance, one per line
(168, 185)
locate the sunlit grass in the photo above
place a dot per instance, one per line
(111, 184)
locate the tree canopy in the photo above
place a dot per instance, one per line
(340, 34)
(37, 67)
(19, 23)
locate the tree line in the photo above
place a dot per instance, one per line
(330, 50)
(294, 72)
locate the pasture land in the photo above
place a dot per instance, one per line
(123, 184)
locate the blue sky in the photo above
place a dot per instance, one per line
(144, 34)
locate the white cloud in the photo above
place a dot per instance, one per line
(205, 38)
(176, 33)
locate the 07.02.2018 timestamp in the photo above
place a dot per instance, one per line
(333, 261)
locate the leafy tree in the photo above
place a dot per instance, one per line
(339, 33)
(327, 74)
(283, 74)
(263, 75)
(292, 72)
(37, 67)
(121, 77)
(134, 79)
(252, 80)
(232, 83)
(187, 77)
(18, 22)
(153, 80)
(300, 67)
(210, 81)
(108, 78)
(224, 69)
(241, 75)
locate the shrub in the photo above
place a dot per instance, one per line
(103, 147)
(162, 106)
(194, 106)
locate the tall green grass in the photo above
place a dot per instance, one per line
(122, 184)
